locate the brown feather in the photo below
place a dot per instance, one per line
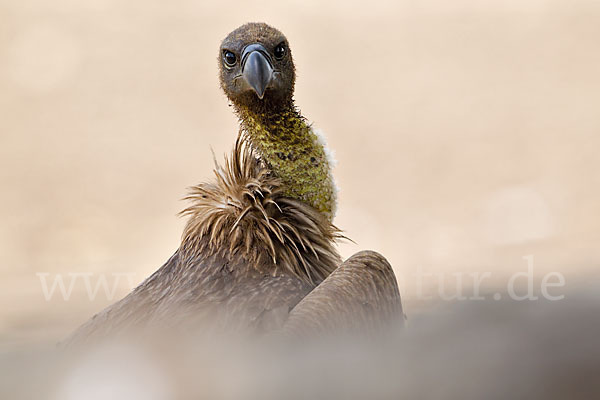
(244, 213)
(361, 296)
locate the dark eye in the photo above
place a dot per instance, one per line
(229, 58)
(279, 51)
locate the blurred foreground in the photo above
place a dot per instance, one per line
(491, 350)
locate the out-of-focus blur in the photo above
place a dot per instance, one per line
(466, 135)
(479, 350)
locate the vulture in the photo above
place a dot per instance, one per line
(258, 253)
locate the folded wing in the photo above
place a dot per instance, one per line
(360, 296)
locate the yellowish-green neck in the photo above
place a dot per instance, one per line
(295, 154)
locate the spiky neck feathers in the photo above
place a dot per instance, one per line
(245, 214)
(293, 152)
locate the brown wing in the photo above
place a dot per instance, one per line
(203, 294)
(361, 295)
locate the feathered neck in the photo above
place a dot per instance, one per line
(293, 152)
(246, 213)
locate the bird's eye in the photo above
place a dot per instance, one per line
(229, 58)
(279, 51)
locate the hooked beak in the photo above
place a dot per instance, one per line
(257, 69)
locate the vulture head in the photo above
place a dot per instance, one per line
(256, 67)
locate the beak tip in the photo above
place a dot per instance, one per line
(257, 72)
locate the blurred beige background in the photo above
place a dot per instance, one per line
(466, 134)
